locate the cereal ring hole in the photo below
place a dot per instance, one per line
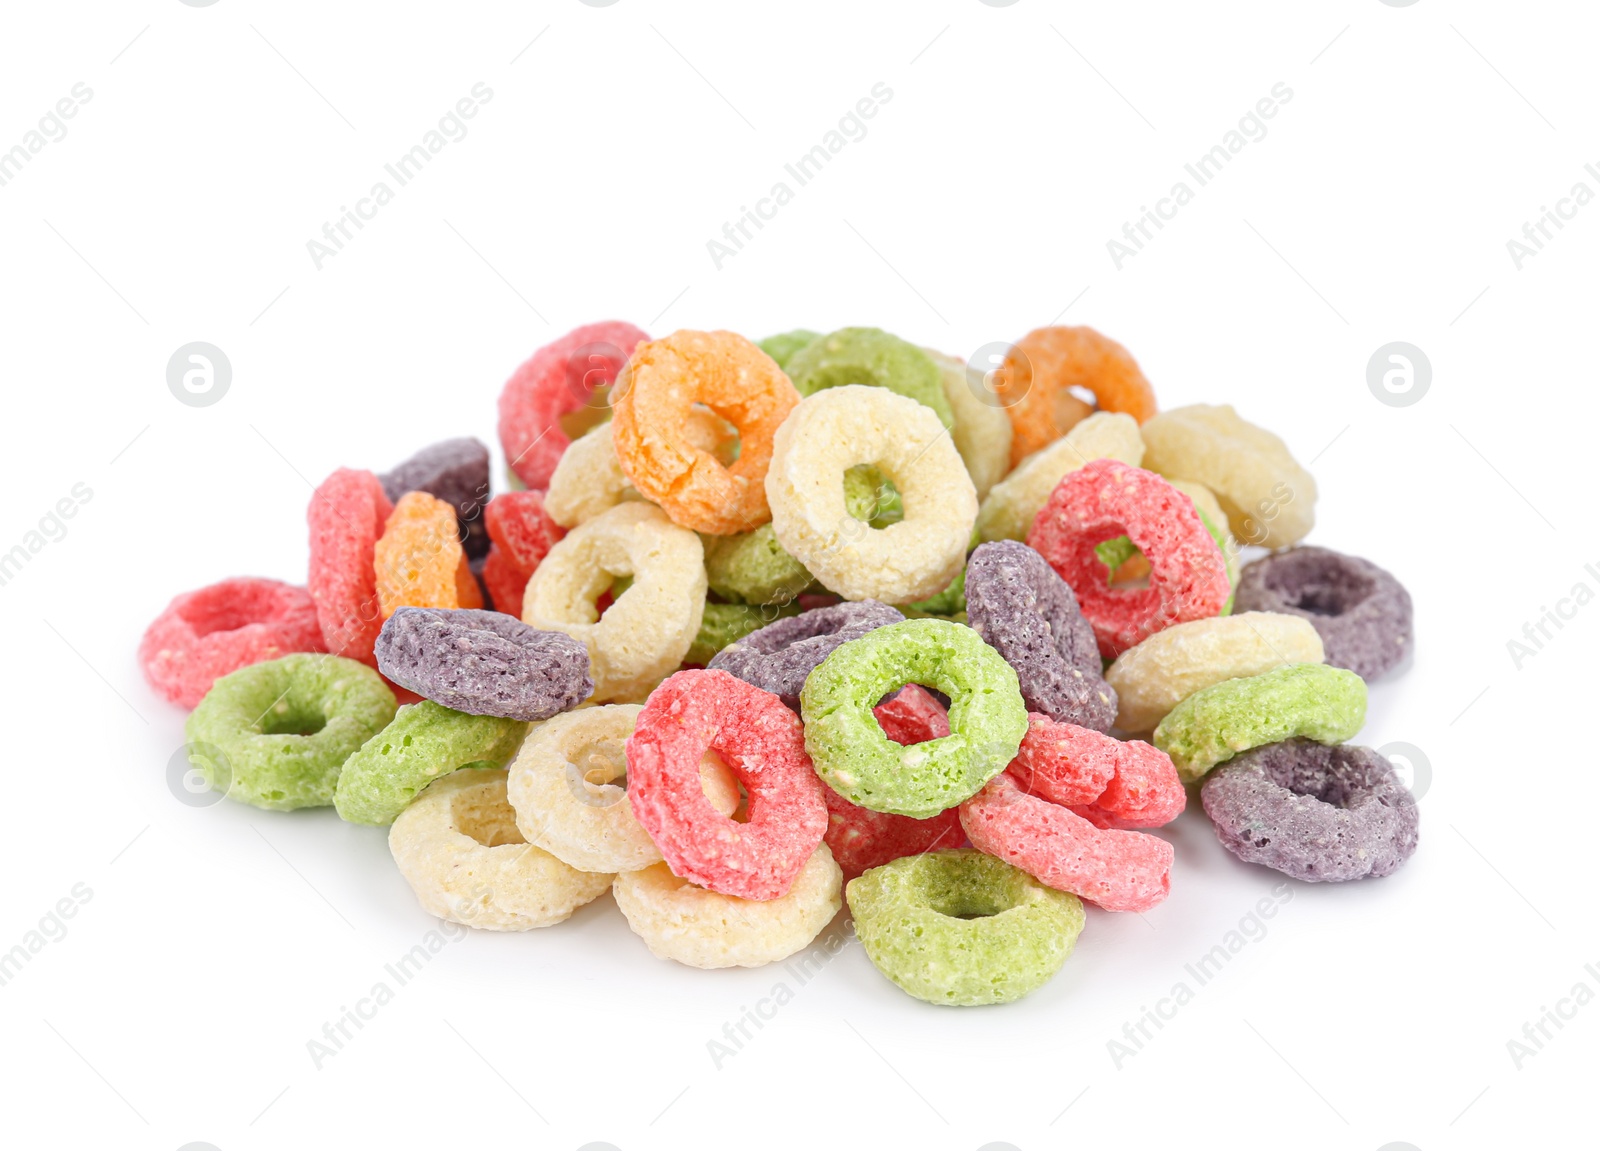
(286, 717)
(1340, 780)
(1335, 591)
(482, 814)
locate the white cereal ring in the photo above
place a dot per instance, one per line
(838, 428)
(645, 634)
(682, 921)
(459, 848)
(563, 787)
(1270, 499)
(1155, 676)
(982, 431)
(1008, 513)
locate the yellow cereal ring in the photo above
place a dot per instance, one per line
(837, 429)
(700, 928)
(1155, 676)
(563, 787)
(644, 635)
(1270, 499)
(653, 402)
(982, 431)
(1013, 503)
(459, 848)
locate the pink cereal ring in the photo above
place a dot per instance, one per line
(1119, 870)
(203, 635)
(346, 516)
(761, 741)
(560, 377)
(1107, 498)
(1111, 783)
(861, 839)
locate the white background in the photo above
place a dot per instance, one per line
(1018, 140)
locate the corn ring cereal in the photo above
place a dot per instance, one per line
(1015, 502)
(647, 631)
(277, 734)
(699, 928)
(1270, 499)
(961, 928)
(559, 378)
(459, 848)
(418, 559)
(203, 635)
(564, 787)
(1110, 782)
(1034, 385)
(1117, 870)
(760, 740)
(346, 516)
(736, 380)
(982, 431)
(1104, 499)
(589, 478)
(1155, 676)
(1216, 723)
(837, 429)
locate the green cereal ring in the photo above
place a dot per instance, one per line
(423, 742)
(784, 345)
(276, 734)
(725, 622)
(1313, 700)
(962, 928)
(861, 763)
(870, 356)
(753, 567)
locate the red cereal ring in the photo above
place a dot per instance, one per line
(346, 516)
(203, 635)
(761, 741)
(560, 377)
(1119, 870)
(861, 839)
(522, 533)
(1110, 782)
(1105, 499)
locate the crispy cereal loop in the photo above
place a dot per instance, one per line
(696, 712)
(1013, 503)
(1216, 723)
(346, 516)
(589, 479)
(737, 381)
(1269, 498)
(961, 928)
(1155, 676)
(459, 848)
(559, 378)
(564, 785)
(1105, 499)
(1034, 385)
(419, 561)
(645, 634)
(982, 432)
(837, 429)
(678, 920)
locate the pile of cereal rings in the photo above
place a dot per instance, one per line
(763, 629)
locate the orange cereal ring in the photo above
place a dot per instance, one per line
(418, 559)
(1034, 384)
(737, 381)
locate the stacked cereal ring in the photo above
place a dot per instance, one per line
(775, 628)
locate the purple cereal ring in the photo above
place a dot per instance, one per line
(1319, 813)
(455, 471)
(1028, 614)
(778, 657)
(1361, 612)
(484, 662)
